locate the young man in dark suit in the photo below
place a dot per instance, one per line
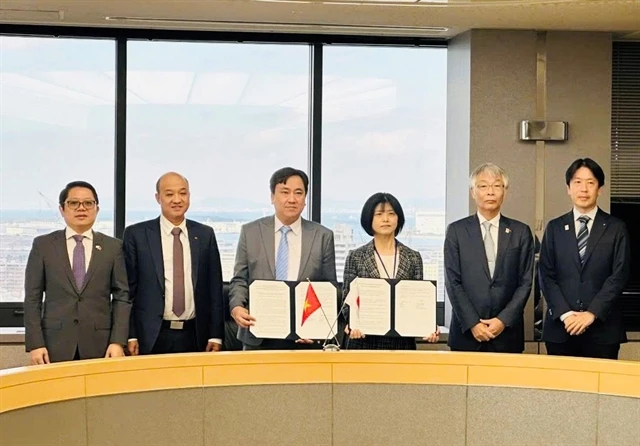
(488, 260)
(175, 278)
(81, 273)
(584, 266)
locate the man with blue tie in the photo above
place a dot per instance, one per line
(584, 267)
(305, 251)
(488, 261)
(175, 278)
(81, 275)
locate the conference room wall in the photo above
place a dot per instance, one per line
(497, 79)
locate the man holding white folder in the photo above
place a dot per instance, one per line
(280, 247)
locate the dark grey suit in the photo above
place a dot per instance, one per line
(86, 319)
(474, 295)
(255, 260)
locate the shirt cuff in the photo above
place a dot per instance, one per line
(216, 341)
(566, 315)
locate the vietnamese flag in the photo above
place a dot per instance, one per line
(311, 304)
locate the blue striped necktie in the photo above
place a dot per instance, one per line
(282, 259)
(583, 236)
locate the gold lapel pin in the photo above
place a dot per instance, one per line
(99, 248)
(508, 231)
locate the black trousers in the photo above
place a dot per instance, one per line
(176, 341)
(583, 347)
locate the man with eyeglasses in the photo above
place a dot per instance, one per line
(82, 276)
(488, 261)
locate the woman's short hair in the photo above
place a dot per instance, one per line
(369, 209)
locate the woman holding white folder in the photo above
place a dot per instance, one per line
(383, 257)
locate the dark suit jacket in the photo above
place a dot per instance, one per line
(474, 295)
(595, 286)
(255, 260)
(145, 268)
(87, 319)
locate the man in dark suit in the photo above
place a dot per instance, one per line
(584, 266)
(175, 278)
(82, 275)
(307, 246)
(488, 260)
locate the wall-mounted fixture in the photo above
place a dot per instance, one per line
(544, 130)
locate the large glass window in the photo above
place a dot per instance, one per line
(57, 108)
(384, 116)
(223, 115)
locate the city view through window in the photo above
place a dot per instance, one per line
(225, 115)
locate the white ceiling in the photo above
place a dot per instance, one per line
(373, 17)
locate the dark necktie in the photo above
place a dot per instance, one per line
(178, 273)
(583, 236)
(78, 267)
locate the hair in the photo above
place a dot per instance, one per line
(590, 164)
(281, 176)
(369, 209)
(166, 174)
(491, 168)
(64, 194)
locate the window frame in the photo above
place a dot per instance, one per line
(9, 311)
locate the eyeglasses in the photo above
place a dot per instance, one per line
(75, 204)
(486, 187)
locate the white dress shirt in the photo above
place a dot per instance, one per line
(87, 242)
(577, 214)
(495, 221)
(294, 237)
(167, 257)
(591, 214)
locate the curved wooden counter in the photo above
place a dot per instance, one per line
(24, 389)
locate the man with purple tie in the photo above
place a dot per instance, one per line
(81, 275)
(175, 278)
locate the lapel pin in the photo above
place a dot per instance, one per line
(99, 248)
(566, 227)
(195, 238)
(508, 231)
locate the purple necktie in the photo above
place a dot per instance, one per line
(78, 267)
(178, 273)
